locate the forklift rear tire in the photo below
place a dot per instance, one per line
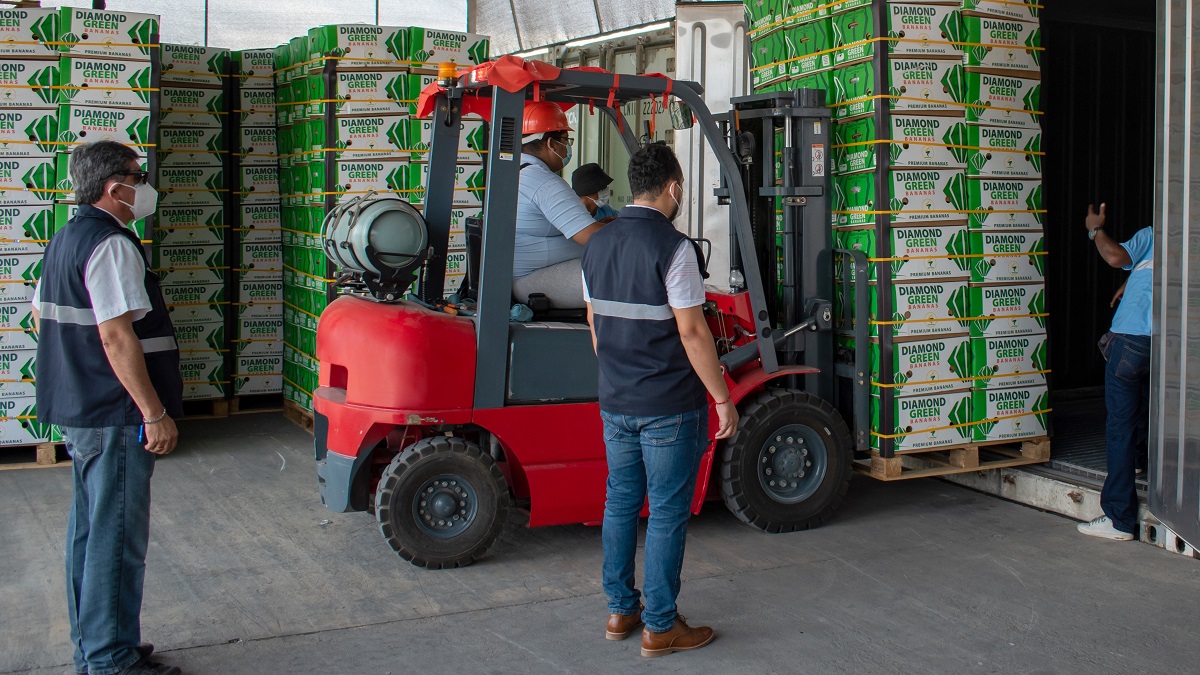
(787, 466)
(441, 503)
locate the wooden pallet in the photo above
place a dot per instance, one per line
(957, 459)
(40, 455)
(297, 414)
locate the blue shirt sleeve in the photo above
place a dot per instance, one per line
(1139, 247)
(561, 206)
(605, 211)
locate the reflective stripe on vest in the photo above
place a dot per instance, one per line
(629, 310)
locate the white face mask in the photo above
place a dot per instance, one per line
(677, 200)
(145, 199)
(603, 197)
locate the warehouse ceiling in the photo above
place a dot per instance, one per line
(521, 25)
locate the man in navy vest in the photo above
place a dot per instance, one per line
(108, 374)
(658, 365)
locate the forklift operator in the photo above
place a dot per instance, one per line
(552, 224)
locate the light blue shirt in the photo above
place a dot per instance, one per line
(549, 213)
(1133, 315)
(606, 211)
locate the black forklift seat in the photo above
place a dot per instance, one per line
(551, 362)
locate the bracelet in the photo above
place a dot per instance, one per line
(716, 402)
(156, 420)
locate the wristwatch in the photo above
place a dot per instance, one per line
(1092, 233)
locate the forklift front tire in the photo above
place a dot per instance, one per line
(441, 503)
(788, 464)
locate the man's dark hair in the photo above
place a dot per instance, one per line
(93, 164)
(651, 168)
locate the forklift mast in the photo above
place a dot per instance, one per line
(781, 140)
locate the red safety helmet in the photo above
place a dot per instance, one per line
(543, 117)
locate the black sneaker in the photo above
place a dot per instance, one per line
(144, 651)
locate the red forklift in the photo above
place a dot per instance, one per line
(438, 417)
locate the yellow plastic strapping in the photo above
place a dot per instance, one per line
(875, 322)
(935, 145)
(921, 100)
(310, 276)
(961, 379)
(960, 426)
(971, 211)
(957, 256)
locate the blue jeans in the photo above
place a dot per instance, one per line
(1125, 379)
(655, 457)
(107, 534)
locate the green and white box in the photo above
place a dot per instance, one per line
(256, 107)
(918, 84)
(923, 29)
(195, 294)
(1005, 204)
(809, 48)
(1004, 152)
(768, 59)
(469, 184)
(268, 292)
(174, 223)
(372, 137)
(925, 251)
(191, 275)
(258, 146)
(924, 308)
(192, 99)
(22, 428)
(104, 82)
(1020, 10)
(11, 390)
(16, 327)
(1007, 256)
(916, 141)
(996, 42)
(201, 368)
(1011, 414)
(925, 421)
(203, 391)
(261, 329)
(27, 180)
(432, 46)
(191, 186)
(259, 185)
(458, 225)
(78, 124)
(360, 46)
(169, 118)
(406, 90)
(264, 383)
(799, 12)
(370, 92)
(188, 257)
(106, 34)
(196, 314)
(260, 310)
(63, 213)
(193, 65)
(927, 195)
(472, 140)
(18, 275)
(261, 222)
(178, 147)
(766, 14)
(200, 337)
(28, 31)
(261, 261)
(1003, 100)
(29, 84)
(255, 67)
(25, 229)
(852, 35)
(18, 365)
(926, 366)
(28, 133)
(259, 348)
(1000, 310)
(1012, 361)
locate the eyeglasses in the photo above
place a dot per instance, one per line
(566, 140)
(140, 175)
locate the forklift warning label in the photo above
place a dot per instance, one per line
(818, 160)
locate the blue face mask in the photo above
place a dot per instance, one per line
(565, 159)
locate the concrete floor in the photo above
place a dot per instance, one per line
(248, 573)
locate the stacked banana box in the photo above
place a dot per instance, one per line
(28, 133)
(259, 350)
(347, 97)
(960, 118)
(192, 230)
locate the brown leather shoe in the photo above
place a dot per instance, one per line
(680, 638)
(621, 626)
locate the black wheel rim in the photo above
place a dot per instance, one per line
(445, 506)
(792, 463)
